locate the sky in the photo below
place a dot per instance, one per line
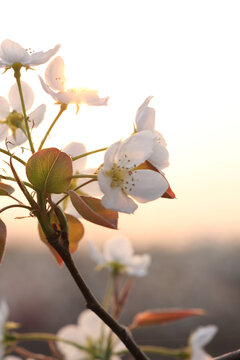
(184, 53)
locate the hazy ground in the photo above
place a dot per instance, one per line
(42, 297)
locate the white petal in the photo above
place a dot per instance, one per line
(55, 74)
(47, 88)
(199, 354)
(147, 185)
(90, 97)
(109, 157)
(74, 149)
(72, 333)
(66, 97)
(4, 108)
(139, 265)
(3, 131)
(11, 52)
(146, 119)
(41, 57)
(136, 149)
(160, 138)
(119, 249)
(4, 312)
(14, 97)
(202, 336)
(36, 117)
(159, 157)
(19, 139)
(96, 254)
(91, 325)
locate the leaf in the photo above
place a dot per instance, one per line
(3, 237)
(157, 317)
(50, 170)
(76, 232)
(92, 210)
(6, 189)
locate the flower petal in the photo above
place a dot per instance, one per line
(72, 333)
(3, 131)
(146, 185)
(118, 249)
(202, 336)
(109, 157)
(11, 52)
(14, 97)
(74, 149)
(91, 325)
(199, 354)
(136, 149)
(41, 57)
(146, 119)
(159, 157)
(96, 254)
(139, 265)
(36, 117)
(90, 97)
(55, 74)
(19, 139)
(47, 88)
(4, 108)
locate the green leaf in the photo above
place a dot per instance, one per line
(76, 232)
(50, 170)
(92, 210)
(5, 189)
(3, 237)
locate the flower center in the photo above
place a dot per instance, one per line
(15, 121)
(121, 177)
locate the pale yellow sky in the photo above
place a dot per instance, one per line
(186, 54)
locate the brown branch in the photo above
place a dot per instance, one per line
(234, 355)
(27, 354)
(93, 304)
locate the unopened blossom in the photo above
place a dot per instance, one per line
(118, 256)
(55, 85)
(79, 167)
(121, 179)
(12, 125)
(145, 120)
(200, 338)
(4, 311)
(89, 332)
(11, 53)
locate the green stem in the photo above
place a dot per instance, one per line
(43, 337)
(181, 353)
(13, 179)
(62, 109)
(15, 157)
(83, 176)
(88, 153)
(17, 75)
(14, 206)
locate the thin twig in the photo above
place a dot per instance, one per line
(234, 355)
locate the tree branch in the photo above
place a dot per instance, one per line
(234, 355)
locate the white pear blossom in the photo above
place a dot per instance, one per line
(89, 332)
(145, 120)
(11, 53)
(12, 126)
(118, 255)
(55, 85)
(200, 338)
(79, 167)
(121, 176)
(4, 312)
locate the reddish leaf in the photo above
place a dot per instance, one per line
(169, 194)
(76, 232)
(156, 317)
(3, 237)
(50, 170)
(6, 189)
(92, 210)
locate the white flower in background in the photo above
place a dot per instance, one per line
(11, 53)
(55, 85)
(200, 338)
(88, 332)
(145, 120)
(120, 176)
(118, 255)
(4, 311)
(12, 124)
(79, 166)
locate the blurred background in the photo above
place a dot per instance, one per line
(186, 54)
